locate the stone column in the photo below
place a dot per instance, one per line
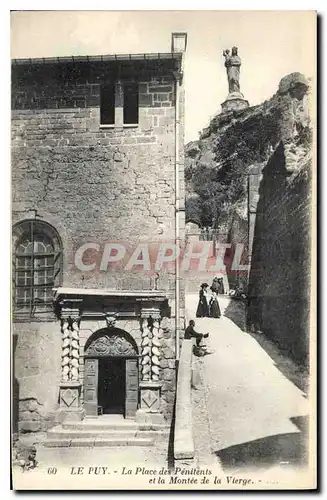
(70, 385)
(150, 384)
(146, 349)
(155, 350)
(65, 348)
(74, 352)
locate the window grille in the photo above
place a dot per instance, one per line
(36, 268)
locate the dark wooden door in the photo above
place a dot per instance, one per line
(132, 387)
(91, 370)
(111, 385)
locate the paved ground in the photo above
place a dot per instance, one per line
(245, 409)
(92, 468)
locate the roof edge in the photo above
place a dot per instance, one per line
(155, 56)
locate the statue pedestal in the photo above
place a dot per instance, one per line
(234, 102)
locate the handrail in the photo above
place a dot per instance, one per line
(183, 435)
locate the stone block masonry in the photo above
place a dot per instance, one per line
(279, 284)
(36, 375)
(93, 183)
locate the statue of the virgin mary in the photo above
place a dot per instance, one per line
(233, 64)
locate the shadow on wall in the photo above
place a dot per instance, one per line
(236, 311)
(278, 283)
(283, 450)
(274, 170)
(15, 388)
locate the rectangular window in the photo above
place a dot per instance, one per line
(131, 103)
(107, 104)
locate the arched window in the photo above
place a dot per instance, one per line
(37, 267)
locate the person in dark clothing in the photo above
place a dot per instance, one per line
(191, 333)
(214, 305)
(218, 285)
(215, 285)
(203, 306)
(221, 289)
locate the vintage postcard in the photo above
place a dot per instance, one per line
(163, 250)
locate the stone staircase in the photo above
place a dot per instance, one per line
(106, 430)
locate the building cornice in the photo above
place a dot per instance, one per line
(75, 293)
(154, 57)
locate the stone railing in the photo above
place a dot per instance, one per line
(183, 441)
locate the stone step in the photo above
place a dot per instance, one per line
(59, 432)
(101, 425)
(97, 442)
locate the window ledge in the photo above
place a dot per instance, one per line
(124, 125)
(103, 125)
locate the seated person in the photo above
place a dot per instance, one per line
(198, 350)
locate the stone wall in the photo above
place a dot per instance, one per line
(36, 374)
(279, 284)
(93, 184)
(226, 233)
(238, 237)
(280, 195)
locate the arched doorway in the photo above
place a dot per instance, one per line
(111, 374)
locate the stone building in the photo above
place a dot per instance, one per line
(97, 168)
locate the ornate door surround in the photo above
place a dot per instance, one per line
(142, 361)
(110, 343)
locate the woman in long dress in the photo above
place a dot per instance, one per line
(203, 306)
(214, 305)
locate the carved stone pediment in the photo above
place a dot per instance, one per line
(111, 345)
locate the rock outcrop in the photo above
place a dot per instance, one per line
(251, 171)
(216, 166)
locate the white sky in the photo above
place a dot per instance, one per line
(271, 45)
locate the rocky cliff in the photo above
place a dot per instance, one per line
(251, 171)
(216, 166)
